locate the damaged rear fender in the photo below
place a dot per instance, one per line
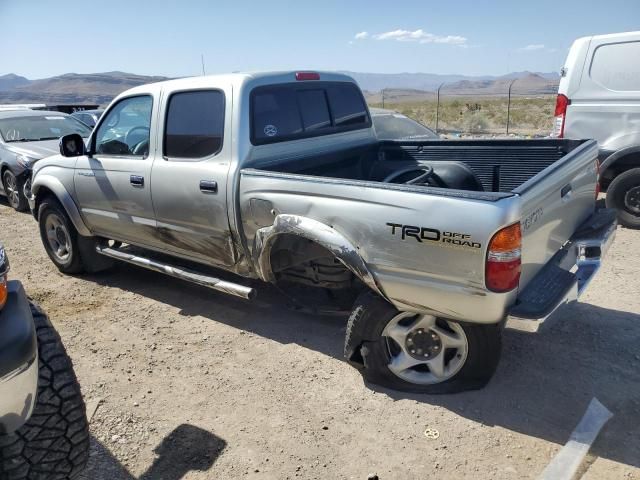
(317, 232)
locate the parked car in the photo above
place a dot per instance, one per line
(390, 125)
(43, 426)
(88, 117)
(26, 136)
(599, 97)
(280, 177)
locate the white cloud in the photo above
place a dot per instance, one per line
(419, 36)
(533, 47)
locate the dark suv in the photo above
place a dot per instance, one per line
(43, 425)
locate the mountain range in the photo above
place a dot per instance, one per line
(100, 88)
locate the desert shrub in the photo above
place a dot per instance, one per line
(475, 122)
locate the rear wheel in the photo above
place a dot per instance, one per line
(623, 194)
(54, 443)
(419, 353)
(13, 188)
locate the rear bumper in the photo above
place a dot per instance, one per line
(18, 360)
(567, 274)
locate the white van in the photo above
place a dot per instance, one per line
(599, 97)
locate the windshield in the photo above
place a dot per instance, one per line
(399, 127)
(45, 127)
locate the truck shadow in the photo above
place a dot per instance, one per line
(187, 448)
(543, 384)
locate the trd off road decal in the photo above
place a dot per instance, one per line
(444, 239)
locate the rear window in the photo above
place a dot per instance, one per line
(292, 111)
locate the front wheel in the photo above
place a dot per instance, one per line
(13, 187)
(69, 251)
(623, 194)
(419, 353)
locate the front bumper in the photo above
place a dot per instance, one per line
(565, 277)
(18, 360)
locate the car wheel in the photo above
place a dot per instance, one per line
(59, 237)
(419, 353)
(69, 251)
(13, 189)
(54, 443)
(623, 194)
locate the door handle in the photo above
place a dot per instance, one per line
(136, 180)
(566, 190)
(208, 186)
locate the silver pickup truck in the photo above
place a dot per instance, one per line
(280, 177)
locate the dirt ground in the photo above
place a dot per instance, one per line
(192, 384)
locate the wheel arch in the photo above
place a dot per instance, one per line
(47, 185)
(317, 232)
(620, 161)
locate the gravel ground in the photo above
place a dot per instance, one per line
(192, 384)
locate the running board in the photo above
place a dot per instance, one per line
(180, 272)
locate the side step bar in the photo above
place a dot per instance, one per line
(181, 273)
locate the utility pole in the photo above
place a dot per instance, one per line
(509, 104)
(202, 60)
(382, 97)
(438, 105)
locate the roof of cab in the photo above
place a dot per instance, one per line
(236, 79)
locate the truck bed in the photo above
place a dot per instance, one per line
(546, 185)
(500, 165)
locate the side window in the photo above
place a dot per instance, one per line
(195, 124)
(613, 66)
(125, 129)
(347, 105)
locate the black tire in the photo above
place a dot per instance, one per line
(51, 209)
(54, 443)
(20, 203)
(367, 350)
(82, 255)
(623, 194)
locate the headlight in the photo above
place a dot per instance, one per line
(4, 269)
(24, 162)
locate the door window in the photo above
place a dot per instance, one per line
(194, 125)
(126, 128)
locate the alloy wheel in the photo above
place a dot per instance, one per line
(424, 349)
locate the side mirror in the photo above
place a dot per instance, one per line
(72, 145)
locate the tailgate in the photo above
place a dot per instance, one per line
(555, 203)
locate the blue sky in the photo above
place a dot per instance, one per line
(41, 38)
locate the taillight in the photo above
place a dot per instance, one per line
(562, 102)
(503, 259)
(597, 179)
(4, 269)
(300, 76)
(3, 291)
